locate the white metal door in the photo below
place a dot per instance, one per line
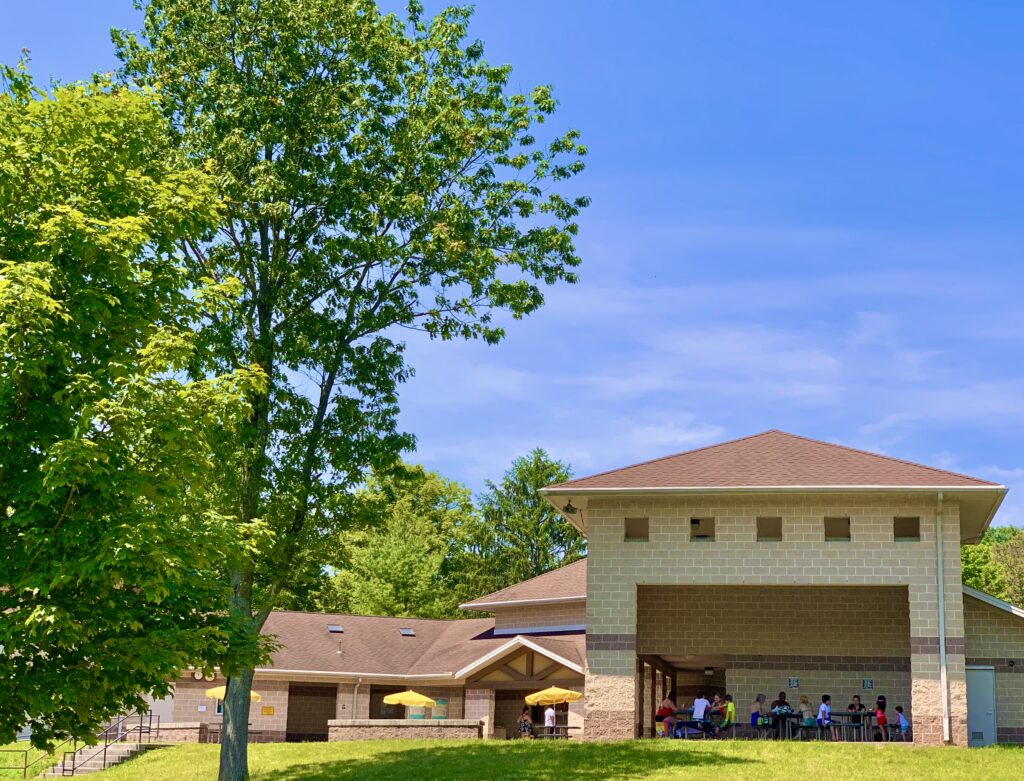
(981, 706)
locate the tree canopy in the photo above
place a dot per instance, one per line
(523, 536)
(410, 555)
(109, 548)
(377, 175)
(987, 569)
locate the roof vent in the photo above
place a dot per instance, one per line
(406, 632)
(335, 629)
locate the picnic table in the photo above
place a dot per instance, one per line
(854, 725)
(561, 732)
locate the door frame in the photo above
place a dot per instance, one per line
(995, 710)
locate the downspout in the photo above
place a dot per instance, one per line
(943, 680)
(355, 697)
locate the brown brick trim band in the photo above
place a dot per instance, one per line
(1010, 734)
(611, 642)
(1002, 664)
(930, 645)
(824, 663)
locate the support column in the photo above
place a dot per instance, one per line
(640, 698)
(926, 680)
(611, 681)
(479, 704)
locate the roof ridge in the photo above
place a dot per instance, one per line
(671, 455)
(847, 448)
(524, 582)
(888, 458)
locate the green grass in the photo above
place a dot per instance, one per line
(8, 761)
(649, 760)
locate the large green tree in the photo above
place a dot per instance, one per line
(523, 536)
(979, 565)
(378, 175)
(109, 554)
(411, 555)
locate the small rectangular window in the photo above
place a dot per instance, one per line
(837, 530)
(906, 529)
(335, 629)
(406, 632)
(637, 530)
(219, 710)
(702, 530)
(769, 529)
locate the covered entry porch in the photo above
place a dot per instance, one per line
(749, 640)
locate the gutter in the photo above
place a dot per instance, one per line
(515, 602)
(943, 677)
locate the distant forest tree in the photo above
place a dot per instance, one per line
(417, 545)
(996, 564)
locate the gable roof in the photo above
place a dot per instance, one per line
(775, 459)
(372, 646)
(993, 601)
(565, 584)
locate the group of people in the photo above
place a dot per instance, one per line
(773, 717)
(700, 715)
(526, 722)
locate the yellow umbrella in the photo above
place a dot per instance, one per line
(410, 698)
(552, 696)
(219, 692)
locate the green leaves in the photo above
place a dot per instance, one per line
(111, 553)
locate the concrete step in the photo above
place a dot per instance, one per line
(89, 760)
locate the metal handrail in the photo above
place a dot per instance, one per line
(120, 732)
(25, 764)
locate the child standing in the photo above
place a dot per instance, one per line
(901, 723)
(825, 716)
(880, 721)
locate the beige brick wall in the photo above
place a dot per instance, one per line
(803, 557)
(189, 694)
(570, 614)
(777, 620)
(995, 638)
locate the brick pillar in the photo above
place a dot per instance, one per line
(479, 704)
(611, 681)
(926, 688)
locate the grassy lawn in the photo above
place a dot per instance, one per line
(534, 761)
(9, 761)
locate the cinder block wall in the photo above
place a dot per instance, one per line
(803, 557)
(995, 638)
(570, 614)
(189, 694)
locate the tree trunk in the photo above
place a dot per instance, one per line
(234, 755)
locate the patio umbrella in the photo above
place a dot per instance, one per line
(219, 692)
(410, 698)
(552, 696)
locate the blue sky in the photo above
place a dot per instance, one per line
(806, 216)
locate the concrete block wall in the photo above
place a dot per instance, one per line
(520, 616)
(871, 558)
(995, 638)
(189, 694)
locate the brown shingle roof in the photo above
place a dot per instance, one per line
(372, 645)
(565, 584)
(773, 459)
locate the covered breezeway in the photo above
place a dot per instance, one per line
(750, 640)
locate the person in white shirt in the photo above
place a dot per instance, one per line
(549, 719)
(700, 707)
(825, 716)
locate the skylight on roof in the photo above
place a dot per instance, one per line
(407, 632)
(335, 629)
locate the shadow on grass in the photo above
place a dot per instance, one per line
(513, 760)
